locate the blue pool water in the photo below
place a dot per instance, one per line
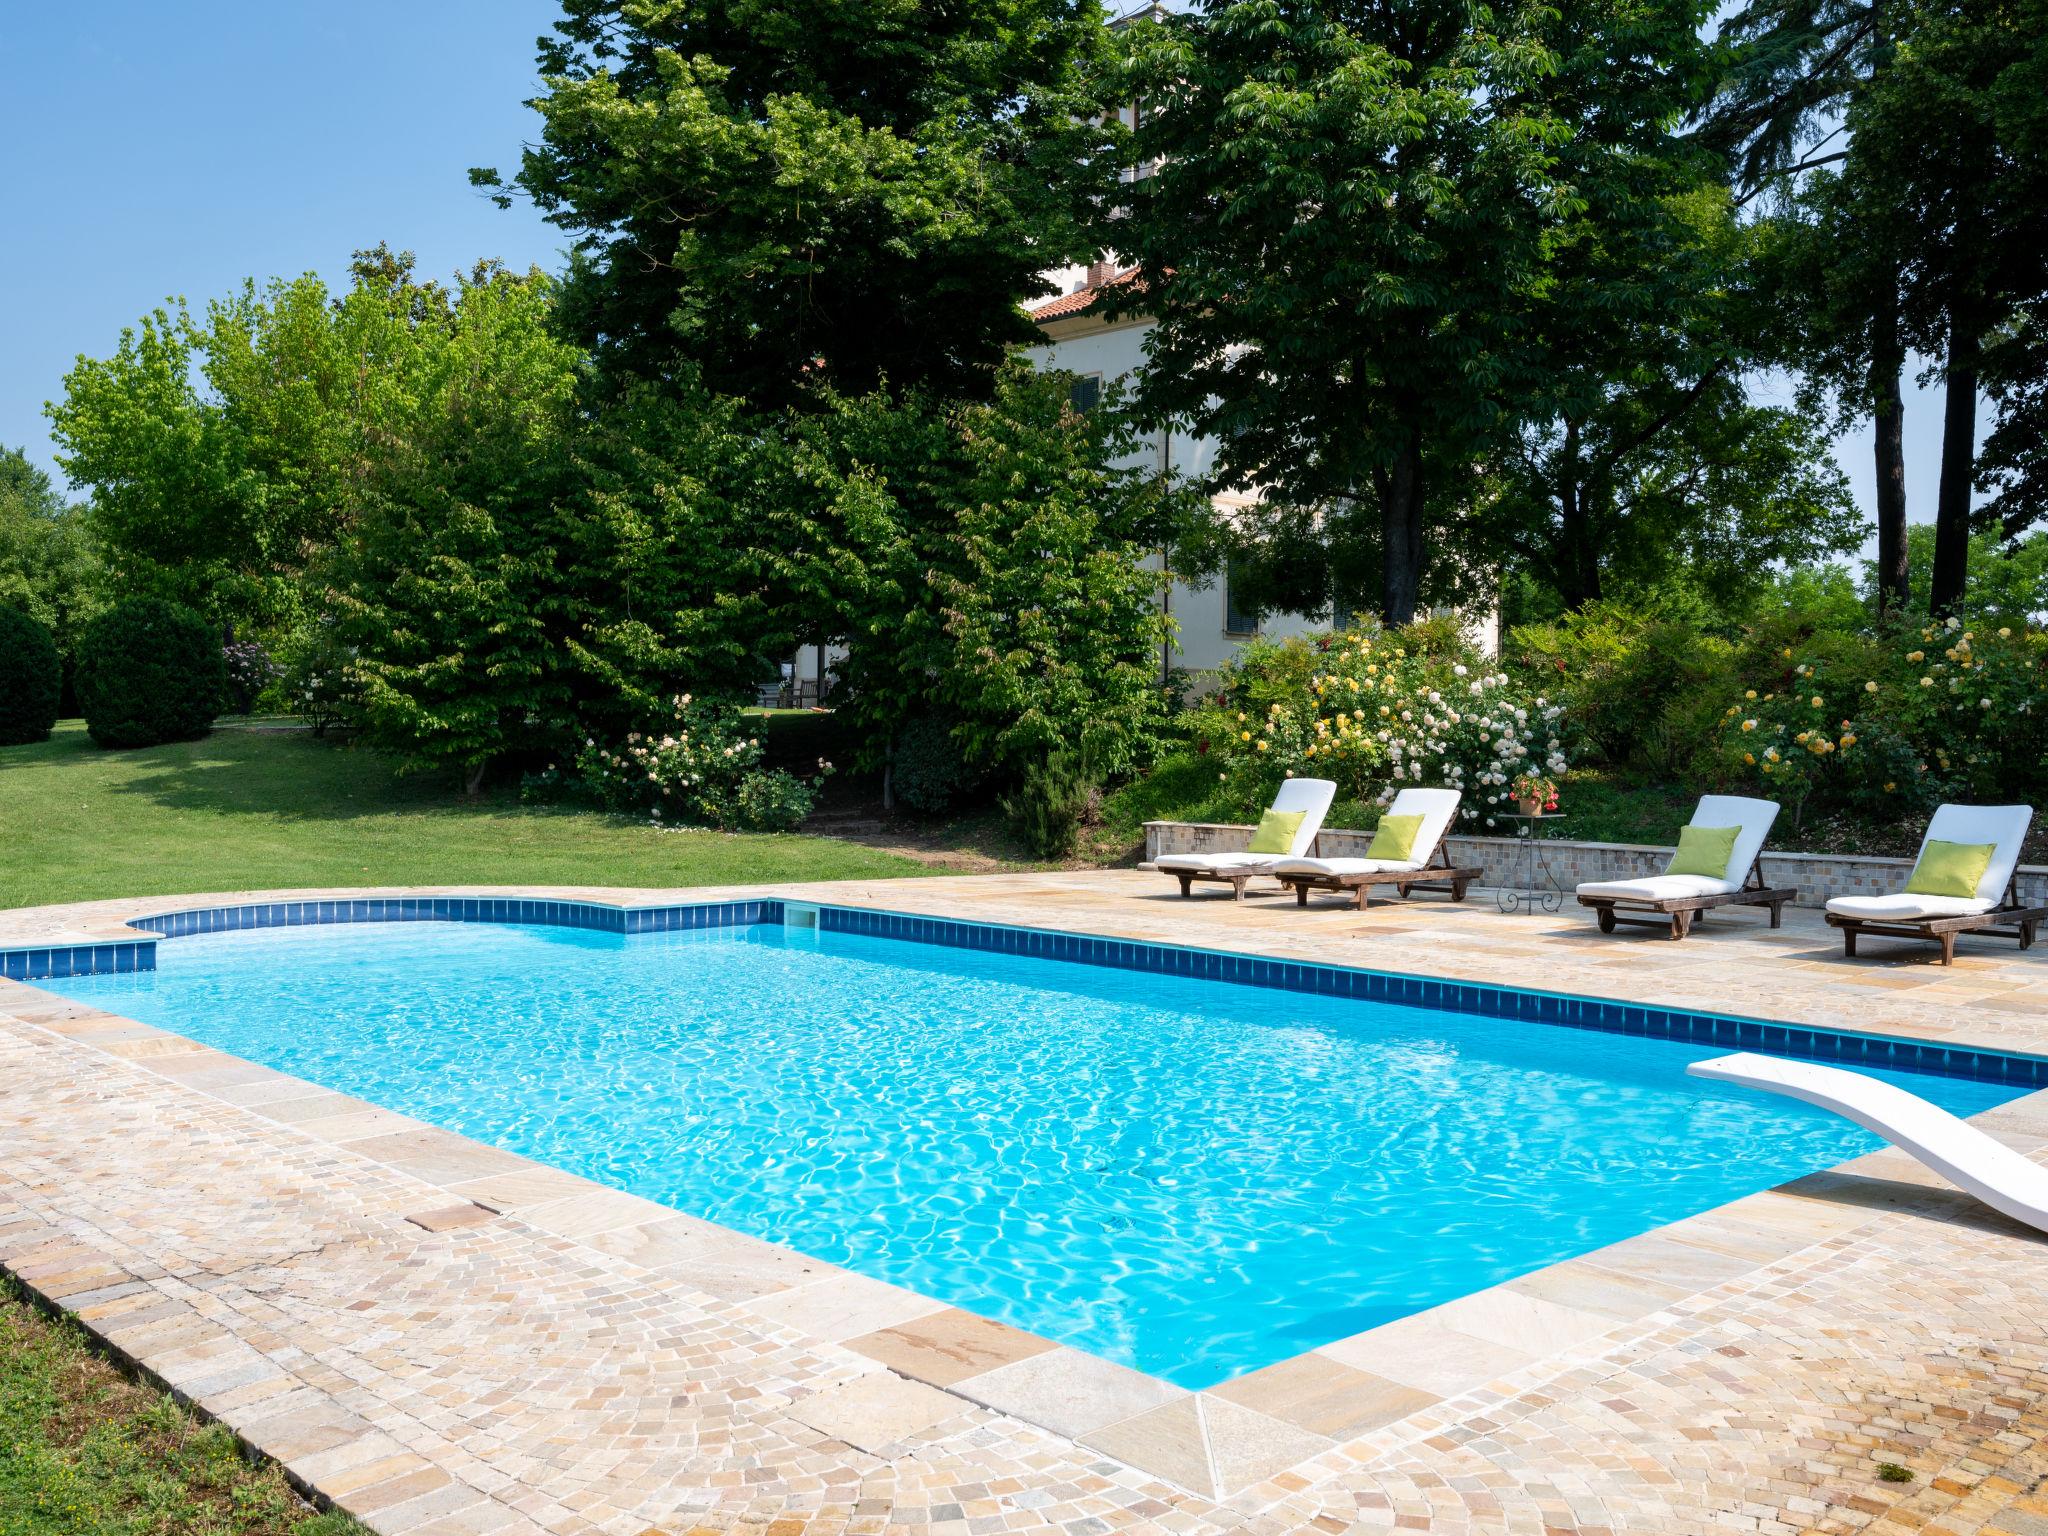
(1193, 1178)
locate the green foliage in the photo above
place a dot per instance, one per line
(852, 193)
(2008, 580)
(1055, 796)
(1346, 331)
(1373, 711)
(149, 671)
(926, 769)
(440, 592)
(31, 679)
(47, 565)
(698, 764)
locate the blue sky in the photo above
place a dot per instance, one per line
(150, 150)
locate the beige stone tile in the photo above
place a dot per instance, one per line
(1420, 1352)
(842, 1305)
(1170, 1442)
(722, 1263)
(949, 1346)
(878, 1410)
(1323, 1395)
(1522, 1320)
(1068, 1391)
(1669, 1261)
(1247, 1447)
(1577, 1284)
(440, 1157)
(592, 1210)
(517, 1188)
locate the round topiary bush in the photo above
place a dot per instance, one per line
(149, 671)
(31, 679)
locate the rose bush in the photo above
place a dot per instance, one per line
(698, 766)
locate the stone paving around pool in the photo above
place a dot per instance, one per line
(444, 1337)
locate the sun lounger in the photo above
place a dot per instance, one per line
(1995, 908)
(1953, 1148)
(1312, 797)
(1673, 902)
(1428, 868)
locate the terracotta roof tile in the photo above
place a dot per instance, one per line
(1079, 300)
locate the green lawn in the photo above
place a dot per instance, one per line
(250, 809)
(86, 1452)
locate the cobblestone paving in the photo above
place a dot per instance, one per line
(398, 1319)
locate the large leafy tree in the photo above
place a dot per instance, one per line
(842, 192)
(224, 450)
(1344, 218)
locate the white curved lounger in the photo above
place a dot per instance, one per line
(1952, 1147)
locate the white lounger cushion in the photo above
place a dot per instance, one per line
(1902, 908)
(1312, 797)
(1200, 862)
(1341, 867)
(1753, 817)
(1660, 888)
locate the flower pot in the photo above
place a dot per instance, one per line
(1532, 807)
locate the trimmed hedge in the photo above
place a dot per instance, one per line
(31, 679)
(149, 671)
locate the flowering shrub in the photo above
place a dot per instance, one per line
(700, 767)
(1376, 711)
(250, 671)
(317, 679)
(1940, 712)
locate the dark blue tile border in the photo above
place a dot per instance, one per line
(1595, 1014)
(1588, 1013)
(56, 962)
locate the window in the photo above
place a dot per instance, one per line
(1085, 393)
(1237, 620)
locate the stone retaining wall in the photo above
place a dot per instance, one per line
(1816, 876)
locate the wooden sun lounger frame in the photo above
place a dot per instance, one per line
(1235, 879)
(2008, 920)
(1675, 914)
(1436, 874)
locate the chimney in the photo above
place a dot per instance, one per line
(1100, 272)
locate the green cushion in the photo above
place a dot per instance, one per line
(1704, 851)
(1394, 839)
(1276, 831)
(1950, 869)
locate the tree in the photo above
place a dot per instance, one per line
(440, 584)
(47, 565)
(837, 193)
(1345, 219)
(1948, 148)
(1797, 65)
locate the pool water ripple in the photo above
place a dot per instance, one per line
(1192, 1178)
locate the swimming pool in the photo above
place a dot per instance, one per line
(1188, 1176)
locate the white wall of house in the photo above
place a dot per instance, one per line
(1209, 629)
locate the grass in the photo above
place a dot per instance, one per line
(86, 1452)
(248, 809)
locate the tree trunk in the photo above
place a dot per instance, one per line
(1888, 415)
(1401, 536)
(473, 785)
(1958, 469)
(1578, 564)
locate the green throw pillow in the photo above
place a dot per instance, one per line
(1394, 839)
(1276, 831)
(1950, 869)
(1704, 851)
